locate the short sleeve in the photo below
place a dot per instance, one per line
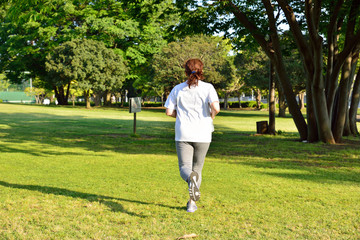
(171, 100)
(213, 97)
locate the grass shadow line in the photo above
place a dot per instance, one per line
(106, 200)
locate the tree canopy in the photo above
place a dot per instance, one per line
(89, 63)
(168, 65)
(30, 30)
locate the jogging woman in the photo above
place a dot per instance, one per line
(194, 104)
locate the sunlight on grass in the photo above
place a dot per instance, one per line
(72, 173)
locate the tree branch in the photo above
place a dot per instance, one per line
(298, 36)
(255, 32)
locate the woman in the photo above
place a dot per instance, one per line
(194, 104)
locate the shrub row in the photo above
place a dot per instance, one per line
(244, 104)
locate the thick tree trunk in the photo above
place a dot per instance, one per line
(343, 101)
(313, 134)
(271, 129)
(87, 98)
(60, 95)
(315, 77)
(354, 104)
(319, 99)
(97, 98)
(107, 99)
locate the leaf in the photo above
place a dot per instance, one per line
(192, 235)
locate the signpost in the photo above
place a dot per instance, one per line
(134, 107)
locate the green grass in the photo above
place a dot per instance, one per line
(72, 173)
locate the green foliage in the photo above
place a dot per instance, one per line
(253, 66)
(4, 83)
(245, 104)
(89, 63)
(213, 17)
(168, 65)
(31, 30)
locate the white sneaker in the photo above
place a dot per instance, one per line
(191, 206)
(194, 191)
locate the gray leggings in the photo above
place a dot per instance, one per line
(191, 156)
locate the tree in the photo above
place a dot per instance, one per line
(233, 81)
(38, 93)
(255, 71)
(168, 64)
(30, 30)
(4, 83)
(93, 66)
(308, 20)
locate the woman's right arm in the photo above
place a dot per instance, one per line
(171, 112)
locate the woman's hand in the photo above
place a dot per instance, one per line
(215, 109)
(171, 112)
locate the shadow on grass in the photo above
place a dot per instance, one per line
(106, 200)
(91, 134)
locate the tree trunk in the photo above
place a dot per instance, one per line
(319, 98)
(354, 104)
(282, 103)
(87, 98)
(271, 129)
(343, 101)
(278, 61)
(258, 98)
(315, 74)
(97, 99)
(122, 96)
(67, 92)
(313, 135)
(226, 96)
(301, 100)
(239, 100)
(60, 95)
(107, 100)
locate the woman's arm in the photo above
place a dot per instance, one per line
(171, 112)
(215, 109)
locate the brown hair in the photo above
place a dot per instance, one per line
(194, 71)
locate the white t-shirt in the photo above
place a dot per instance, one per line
(192, 105)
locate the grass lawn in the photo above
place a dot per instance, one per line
(72, 173)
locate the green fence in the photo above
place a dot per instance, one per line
(16, 97)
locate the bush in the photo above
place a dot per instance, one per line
(1, 100)
(264, 106)
(248, 104)
(152, 104)
(234, 104)
(244, 104)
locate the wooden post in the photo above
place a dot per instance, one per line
(134, 123)
(134, 107)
